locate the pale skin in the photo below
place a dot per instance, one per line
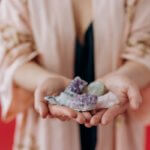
(124, 82)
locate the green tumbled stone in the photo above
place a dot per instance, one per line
(96, 88)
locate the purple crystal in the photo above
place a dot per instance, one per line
(75, 97)
(84, 101)
(76, 86)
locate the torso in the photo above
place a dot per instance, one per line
(82, 11)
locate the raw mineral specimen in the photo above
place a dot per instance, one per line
(84, 102)
(96, 88)
(76, 98)
(76, 86)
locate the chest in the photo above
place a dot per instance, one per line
(55, 26)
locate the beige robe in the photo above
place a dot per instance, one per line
(44, 31)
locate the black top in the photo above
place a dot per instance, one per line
(84, 56)
(84, 67)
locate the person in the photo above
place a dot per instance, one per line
(44, 44)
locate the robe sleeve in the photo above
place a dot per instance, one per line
(16, 48)
(137, 47)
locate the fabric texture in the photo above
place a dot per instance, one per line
(121, 32)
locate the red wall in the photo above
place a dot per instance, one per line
(148, 138)
(6, 135)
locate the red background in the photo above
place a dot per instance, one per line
(6, 135)
(148, 138)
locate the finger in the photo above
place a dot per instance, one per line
(88, 125)
(64, 118)
(87, 116)
(111, 113)
(80, 118)
(96, 119)
(43, 110)
(60, 111)
(49, 116)
(40, 105)
(135, 97)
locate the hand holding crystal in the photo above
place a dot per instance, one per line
(127, 93)
(52, 86)
(80, 96)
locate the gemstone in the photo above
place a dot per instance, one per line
(96, 88)
(76, 86)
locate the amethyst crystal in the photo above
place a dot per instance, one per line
(84, 102)
(76, 86)
(74, 97)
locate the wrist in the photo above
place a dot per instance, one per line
(42, 77)
(132, 71)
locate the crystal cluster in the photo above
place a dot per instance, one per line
(76, 86)
(82, 97)
(84, 102)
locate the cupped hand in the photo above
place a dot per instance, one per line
(52, 86)
(128, 94)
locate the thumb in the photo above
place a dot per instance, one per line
(39, 104)
(134, 96)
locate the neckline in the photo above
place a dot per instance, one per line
(90, 26)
